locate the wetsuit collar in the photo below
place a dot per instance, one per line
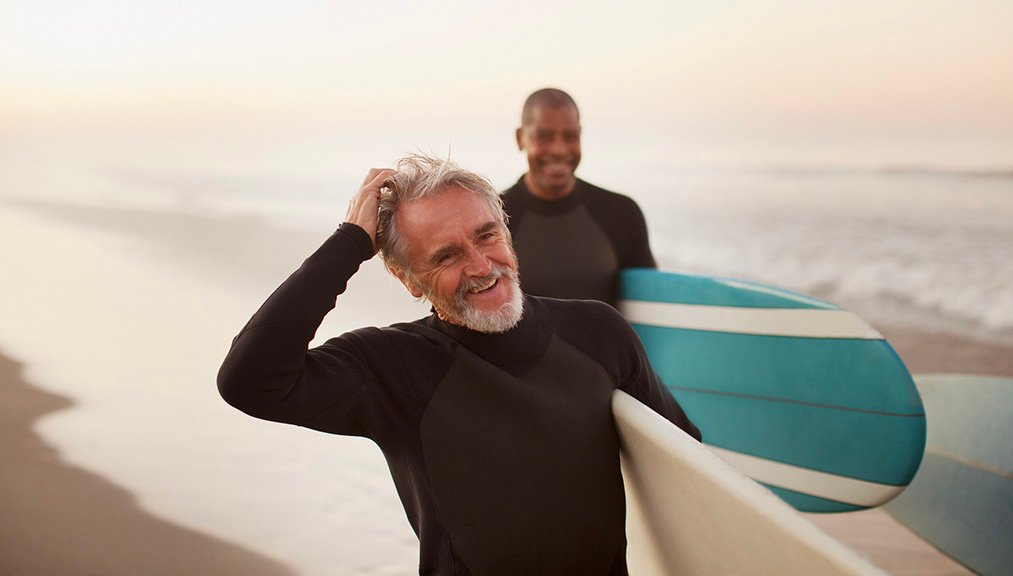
(520, 345)
(551, 207)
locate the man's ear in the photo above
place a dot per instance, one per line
(520, 135)
(410, 284)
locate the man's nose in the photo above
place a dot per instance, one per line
(478, 263)
(558, 146)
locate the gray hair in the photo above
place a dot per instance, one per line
(419, 176)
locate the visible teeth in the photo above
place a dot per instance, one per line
(477, 289)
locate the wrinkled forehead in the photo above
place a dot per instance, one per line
(455, 214)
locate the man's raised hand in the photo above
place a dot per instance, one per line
(364, 208)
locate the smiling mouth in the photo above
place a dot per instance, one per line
(475, 289)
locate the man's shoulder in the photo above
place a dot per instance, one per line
(396, 335)
(514, 200)
(568, 311)
(594, 327)
(518, 189)
(596, 194)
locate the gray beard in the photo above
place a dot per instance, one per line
(460, 311)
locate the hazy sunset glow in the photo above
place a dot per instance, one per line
(865, 82)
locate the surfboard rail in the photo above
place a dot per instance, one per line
(689, 512)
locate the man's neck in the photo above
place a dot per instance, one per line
(549, 195)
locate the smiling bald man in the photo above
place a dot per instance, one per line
(572, 238)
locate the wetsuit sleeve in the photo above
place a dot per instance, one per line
(644, 384)
(269, 371)
(638, 254)
(623, 222)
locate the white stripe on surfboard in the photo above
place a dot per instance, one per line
(812, 482)
(800, 322)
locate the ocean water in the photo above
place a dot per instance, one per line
(128, 269)
(929, 248)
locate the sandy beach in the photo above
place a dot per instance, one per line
(60, 518)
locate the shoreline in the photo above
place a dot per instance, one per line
(61, 519)
(925, 352)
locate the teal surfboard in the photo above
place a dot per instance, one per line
(798, 394)
(961, 499)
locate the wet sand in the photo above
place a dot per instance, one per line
(876, 536)
(938, 352)
(58, 519)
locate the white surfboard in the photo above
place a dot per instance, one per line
(691, 513)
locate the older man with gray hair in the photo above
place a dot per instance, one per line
(493, 413)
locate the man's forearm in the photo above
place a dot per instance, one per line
(267, 357)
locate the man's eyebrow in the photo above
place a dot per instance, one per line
(442, 252)
(487, 227)
(451, 249)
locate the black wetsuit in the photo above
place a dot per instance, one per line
(574, 247)
(502, 446)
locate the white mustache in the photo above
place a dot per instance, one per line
(485, 281)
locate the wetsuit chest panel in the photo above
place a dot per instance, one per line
(525, 471)
(566, 256)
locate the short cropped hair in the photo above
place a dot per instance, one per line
(419, 176)
(551, 97)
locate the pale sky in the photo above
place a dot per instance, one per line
(928, 81)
